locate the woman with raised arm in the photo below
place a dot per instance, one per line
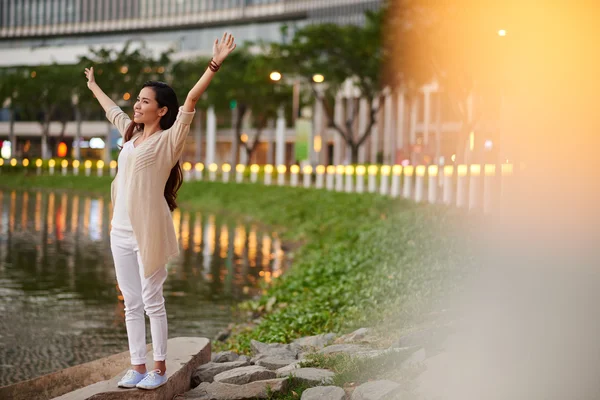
(143, 195)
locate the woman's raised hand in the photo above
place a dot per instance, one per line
(223, 48)
(89, 74)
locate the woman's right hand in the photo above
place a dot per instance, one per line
(89, 74)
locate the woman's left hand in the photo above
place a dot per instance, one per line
(223, 48)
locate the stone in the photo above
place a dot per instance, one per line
(257, 358)
(244, 358)
(284, 370)
(225, 391)
(315, 342)
(310, 376)
(185, 355)
(243, 375)
(207, 372)
(355, 336)
(324, 393)
(370, 353)
(225, 356)
(223, 335)
(344, 348)
(274, 363)
(376, 390)
(274, 349)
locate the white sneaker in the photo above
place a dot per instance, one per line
(152, 380)
(131, 379)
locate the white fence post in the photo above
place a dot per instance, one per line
(281, 169)
(349, 170)
(396, 174)
(360, 178)
(407, 186)
(474, 186)
(198, 169)
(447, 195)
(461, 185)
(294, 170)
(268, 174)
(372, 170)
(432, 171)
(330, 177)
(226, 168)
(307, 176)
(419, 183)
(488, 187)
(239, 173)
(212, 172)
(339, 178)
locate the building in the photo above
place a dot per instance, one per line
(34, 32)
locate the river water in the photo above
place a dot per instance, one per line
(60, 304)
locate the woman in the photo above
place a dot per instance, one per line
(143, 195)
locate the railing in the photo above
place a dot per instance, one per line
(475, 187)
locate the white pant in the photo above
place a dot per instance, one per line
(140, 294)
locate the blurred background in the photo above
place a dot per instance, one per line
(347, 82)
(427, 91)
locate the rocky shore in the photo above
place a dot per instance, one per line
(275, 370)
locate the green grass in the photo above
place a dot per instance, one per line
(364, 260)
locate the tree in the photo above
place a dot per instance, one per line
(340, 53)
(42, 92)
(120, 73)
(9, 82)
(245, 81)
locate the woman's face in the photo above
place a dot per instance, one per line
(146, 110)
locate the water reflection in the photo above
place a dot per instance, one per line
(59, 300)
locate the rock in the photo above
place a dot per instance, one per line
(370, 353)
(207, 372)
(274, 363)
(185, 355)
(257, 358)
(324, 393)
(223, 335)
(274, 349)
(243, 375)
(225, 356)
(285, 370)
(376, 390)
(310, 376)
(224, 391)
(244, 358)
(344, 348)
(355, 336)
(315, 342)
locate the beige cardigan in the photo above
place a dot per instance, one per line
(148, 169)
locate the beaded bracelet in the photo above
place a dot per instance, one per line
(214, 67)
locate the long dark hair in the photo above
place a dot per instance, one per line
(165, 97)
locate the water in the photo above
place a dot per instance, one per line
(60, 304)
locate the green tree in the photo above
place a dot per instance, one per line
(9, 82)
(123, 72)
(120, 73)
(43, 92)
(244, 79)
(340, 53)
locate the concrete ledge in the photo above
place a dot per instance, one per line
(184, 356)
(67, 380)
